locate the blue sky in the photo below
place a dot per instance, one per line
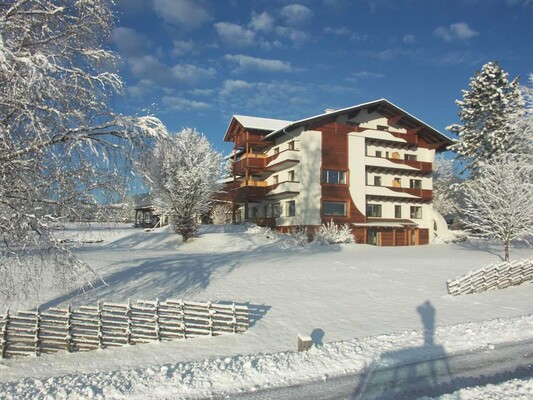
(195, 63)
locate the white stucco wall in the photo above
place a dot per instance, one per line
(308, 206)
(356, 164)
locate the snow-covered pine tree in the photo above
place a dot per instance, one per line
(485, 111)
(499, 200)
(182, 173)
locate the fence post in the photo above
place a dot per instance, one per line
(100, 333)
(3, 341)
(156, 320)
(129, 328)
(37, 331)
(234, 317)
(68, 337)
(182, 312)
(210, 323)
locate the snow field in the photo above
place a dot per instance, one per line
(341, 291)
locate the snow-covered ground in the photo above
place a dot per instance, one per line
(337, 294)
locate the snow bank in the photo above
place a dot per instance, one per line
(226, 375)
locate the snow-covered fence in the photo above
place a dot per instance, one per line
(494, 276)
(110, 324)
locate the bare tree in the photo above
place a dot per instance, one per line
(61, 145)
(182, 173)
(499, 201)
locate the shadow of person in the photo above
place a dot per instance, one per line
(317, 336)
(410, 372)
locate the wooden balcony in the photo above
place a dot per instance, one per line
(250, 161)
(250, 139)
(251, 191)
(420, 165)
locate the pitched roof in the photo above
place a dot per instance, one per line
(381, 104)
(263, 124)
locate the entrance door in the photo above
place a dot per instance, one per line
(372, 236)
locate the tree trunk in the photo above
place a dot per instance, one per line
(506, 249)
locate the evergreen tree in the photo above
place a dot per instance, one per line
(485, 112)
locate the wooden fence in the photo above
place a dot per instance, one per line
(110, 324)
(494, 276)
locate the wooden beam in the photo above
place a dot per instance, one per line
(413, 131)
(394, 120)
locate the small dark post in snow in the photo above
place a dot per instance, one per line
(304, 342)
(3, 340)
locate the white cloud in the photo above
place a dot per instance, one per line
(149, 67)
(525, 3)
(188, 14)
(142, 88)
(296, 14)
(409, 38)
(263, 22)
(342, 31)
(181, 104)
(259, 64)
(459, 31)
(357, 76)
(235, 35)
(231, 86)
(129, 43)
(296, 36)
(181, 47)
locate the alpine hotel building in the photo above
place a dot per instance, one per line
(368, 165)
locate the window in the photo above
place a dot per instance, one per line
(415, 184)
(291, 145)
(275, 180)
(377, 181)
(397, 182)
(386, 154)
(333, 208)
(373, 210)
(397, 211)
(383, 128)
(416, 212)
(276, 151)
(378, 153)
(291, 208)
(333, 177)
(265, 211)
(276, 210)
(255, 212)
(291, 176)
(410, 157)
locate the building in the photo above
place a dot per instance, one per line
(368, 165)
(145, 214)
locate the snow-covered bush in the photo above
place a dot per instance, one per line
(451, 237)
(299, 237)
(221, 214)
(332, 233)
(263, 231)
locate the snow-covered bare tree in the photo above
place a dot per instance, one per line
(499, 201)
(221, 213)
(61, 145)
(182, 173)
(446, 196)
(484, 112)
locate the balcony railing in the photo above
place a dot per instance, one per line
(399, 192)
(250, 161)
(245, 138)
(398, 164)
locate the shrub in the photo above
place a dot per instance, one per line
(298, 237)
(331, 233)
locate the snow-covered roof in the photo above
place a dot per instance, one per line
(330, 113)
(264, 124)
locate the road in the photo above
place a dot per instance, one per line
(412, 378)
